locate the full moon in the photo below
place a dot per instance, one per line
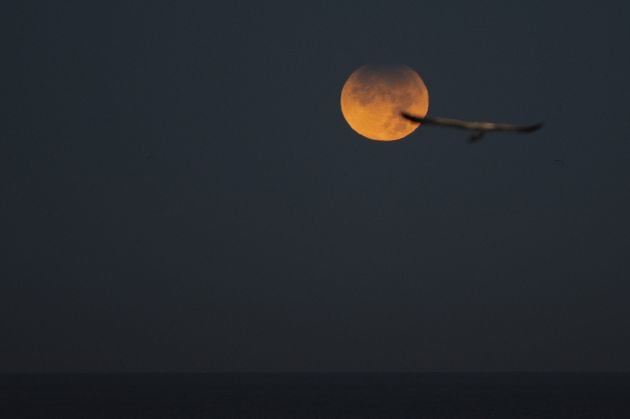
(373, 98)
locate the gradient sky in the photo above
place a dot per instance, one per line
(180, 190)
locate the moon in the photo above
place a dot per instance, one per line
(374, 96)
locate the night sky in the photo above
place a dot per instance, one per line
(180, 191)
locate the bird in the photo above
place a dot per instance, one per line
(479, 128)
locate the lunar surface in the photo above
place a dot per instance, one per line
(373, 98)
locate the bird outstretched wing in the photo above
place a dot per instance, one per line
(479, 128)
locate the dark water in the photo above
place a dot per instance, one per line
(365, 396)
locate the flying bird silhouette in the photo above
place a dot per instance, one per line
(479, 128)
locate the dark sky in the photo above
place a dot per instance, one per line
(180, 191)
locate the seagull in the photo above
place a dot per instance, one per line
(479, 128)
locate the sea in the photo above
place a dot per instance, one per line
(339, 395)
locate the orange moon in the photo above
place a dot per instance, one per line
(374, 96)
